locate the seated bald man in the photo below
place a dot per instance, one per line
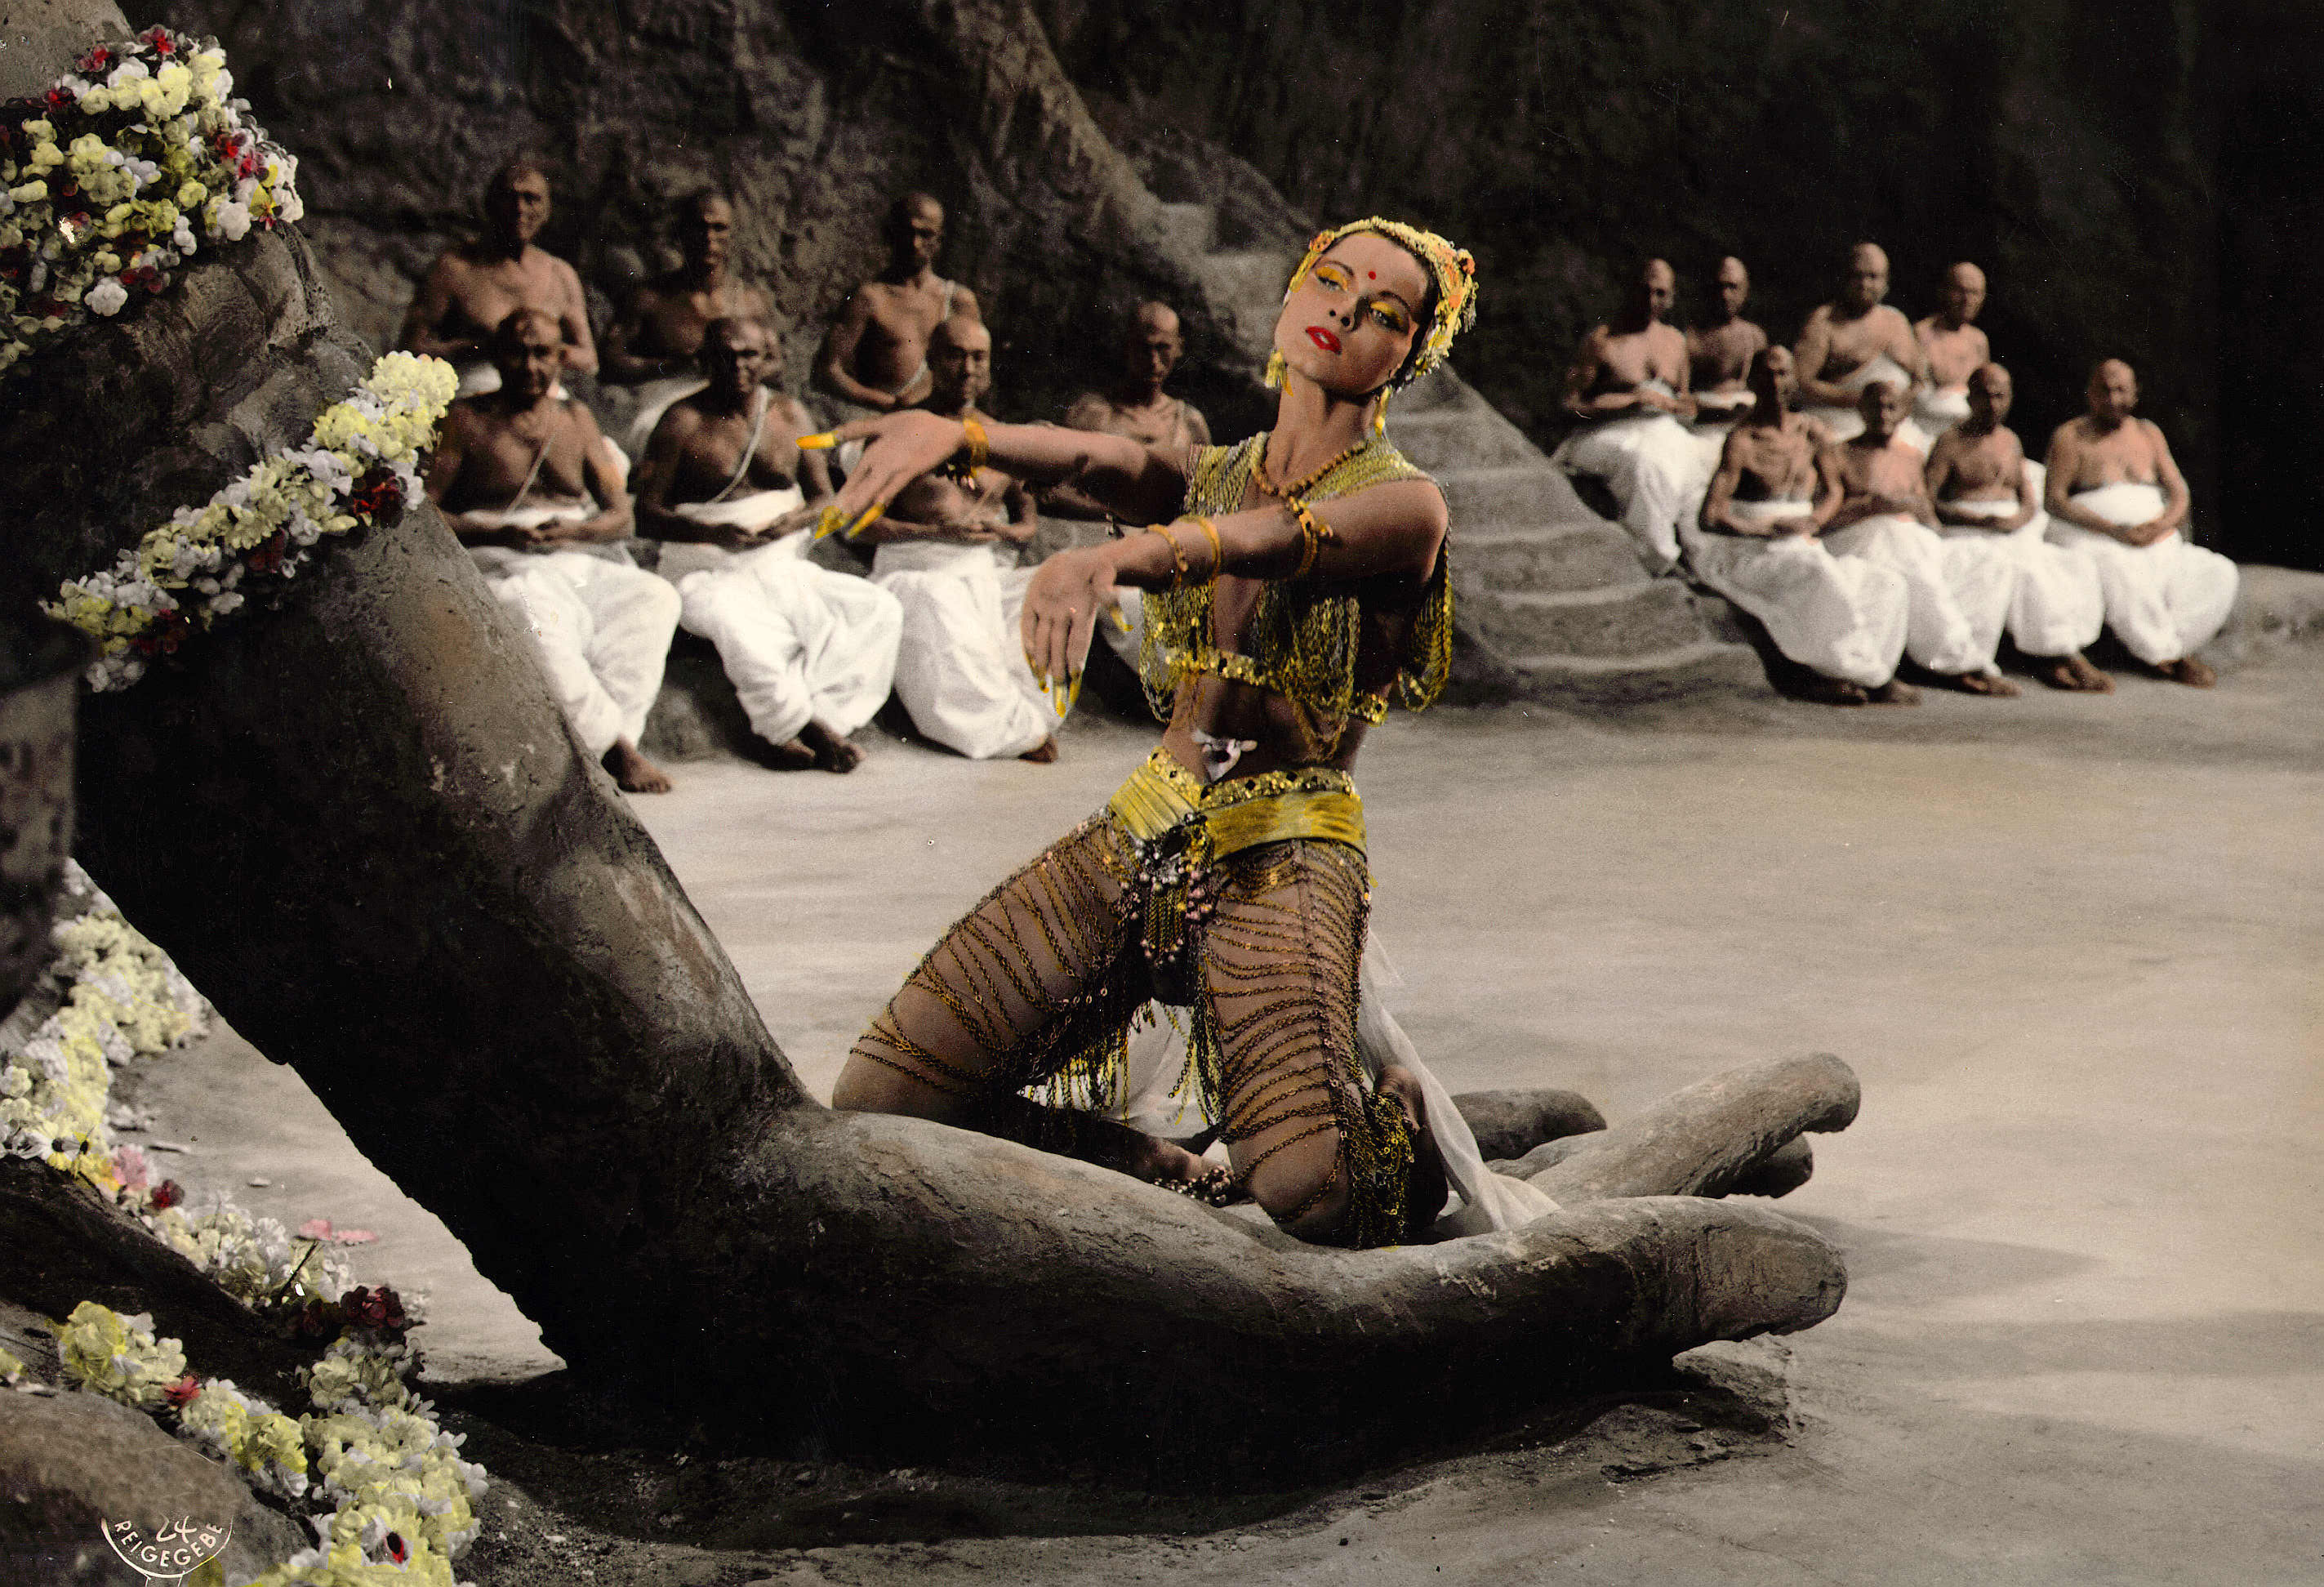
(948, 549)
(520, 475)
(473, 288)
(1628, 387)
(875, 358)
(1957, 591)
(1756, 542)
(726, 488)
(1954, 348)
(2115, 493)
(1852, 342)
(1137, 405)
(656, 343)
(1983, 487)
(1720, 352)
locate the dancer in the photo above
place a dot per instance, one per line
(1304, 592)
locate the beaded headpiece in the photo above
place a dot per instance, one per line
(1453, 269)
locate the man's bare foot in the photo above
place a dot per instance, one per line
(2073, 672)
(833, 752)
(633, 773)
(1832, 691)
(1983, 683)
(2189, 671)
(1896, 692)
(793, 754)
(1042, 754)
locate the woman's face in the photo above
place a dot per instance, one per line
(1351, 323)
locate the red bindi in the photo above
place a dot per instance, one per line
(1371, 275)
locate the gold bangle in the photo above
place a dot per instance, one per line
(1313, 533)
(980, 445)
(1218, 551)
(1178, 568)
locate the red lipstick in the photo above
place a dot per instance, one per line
(1322, 338)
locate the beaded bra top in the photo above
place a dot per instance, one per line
(1305, 634)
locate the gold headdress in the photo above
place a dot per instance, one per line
(1453, 269)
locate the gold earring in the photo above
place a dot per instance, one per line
(1275, 372)
(1379, 415)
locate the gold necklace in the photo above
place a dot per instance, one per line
(1298, 487)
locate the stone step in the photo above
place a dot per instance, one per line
(1703, 667)
(1557, 557)
(1624, 620)
(1444, 441)
(1522, 496)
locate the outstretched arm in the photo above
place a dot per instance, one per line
(1135, 481)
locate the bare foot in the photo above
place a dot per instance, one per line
(1832, 691)
(633, 773)
(793, 754)
(1429, 1188)
(2189, 671)
(1981, 683)
(2072, 672)
(1896, 692)
(833, 752)
(1042, 754)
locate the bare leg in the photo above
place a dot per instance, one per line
(633, 773)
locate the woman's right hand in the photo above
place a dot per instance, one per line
(899, 448)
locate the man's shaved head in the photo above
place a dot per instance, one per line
(960, 361)
(961, 335)
(1734, 282)
(1963, 292)
(1990, 393)
(1771, 380)
(508, 334)
(1657, 286)
(2113, 390)
(1868, 276)
(1154, 316)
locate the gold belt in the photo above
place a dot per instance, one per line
(1315, 802)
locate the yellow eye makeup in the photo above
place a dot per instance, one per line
(1332, 276)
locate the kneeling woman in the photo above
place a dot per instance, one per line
(1303, 589)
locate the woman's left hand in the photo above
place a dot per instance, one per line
(1062, 606)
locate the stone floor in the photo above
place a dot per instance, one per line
(2069, 944)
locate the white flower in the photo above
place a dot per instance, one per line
(128, 72)
(108, 297)
(232, 221)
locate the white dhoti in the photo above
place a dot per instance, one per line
(1151, 1102)
(1657, 468)
(2166, 601)
(1957, 591)
(960, 669)
(654, 400)
(1846, 423)
(800, 643)
(1939, 409)
(1842, 616)
(2055, 608)
(602, 627)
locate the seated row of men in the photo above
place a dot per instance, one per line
(1665, 414)
(1858, 554)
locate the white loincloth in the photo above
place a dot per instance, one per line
(1844, 617)
(2164, 601)
(1938, 409)
(961, 669)
(1957, 591)
(799, 642)
(602, 626)
(2056, 607)
(1657, 468)
(655, 398)
(1489, 1201)
(1847, 423)
(1719, 411)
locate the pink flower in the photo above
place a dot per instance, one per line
(130, 1166)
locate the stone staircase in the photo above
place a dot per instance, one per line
(1550, 601)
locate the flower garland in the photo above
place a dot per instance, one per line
(110, 180)
(362, 461)
(402, 1501)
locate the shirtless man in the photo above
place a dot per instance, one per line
(520, 474)
(725, 486)
(1958, 591)
(1628, 385)
(473, 288)
(2115, 493)
(1777, 486)
(1954, 347)
(1135, 406)
(1983, 487)
(877, 355)
(948, 549)
(1853, 341)
(657, 342)
(1718, 354)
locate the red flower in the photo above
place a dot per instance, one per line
(397, 1549)
(181, 1394)
(376, 493)
(376, 1308)
(167, 1195)
(60, 99)
(97, 60)
(159, 37)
